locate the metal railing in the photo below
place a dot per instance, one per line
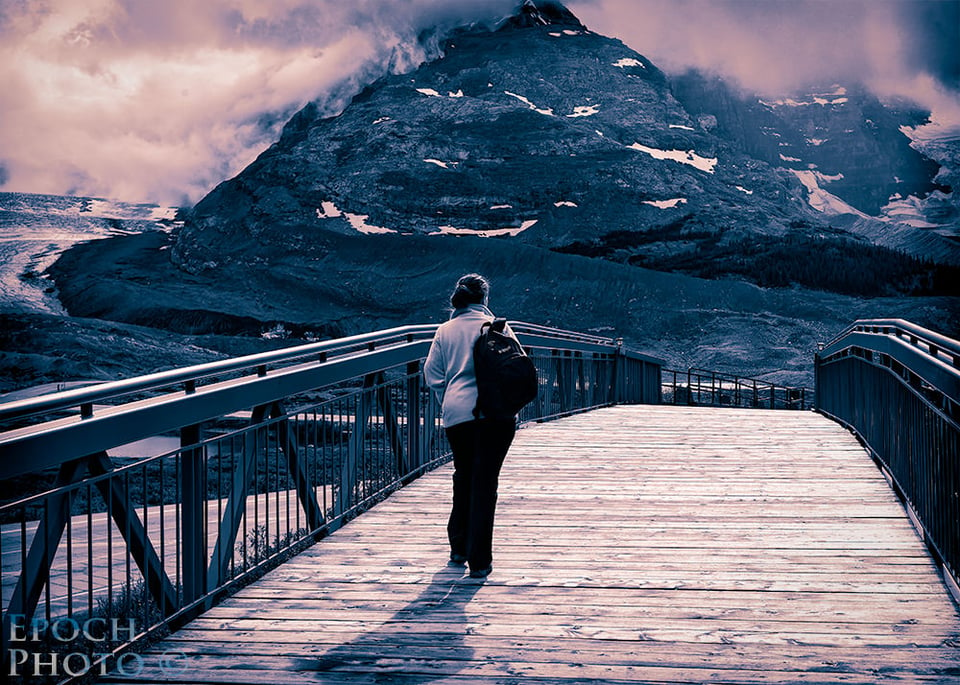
(699, 387)
(897, 386)
(148, 499)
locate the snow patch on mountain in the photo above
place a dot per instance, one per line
(938, 139)
(584, 111)
(820, 199)
(564, 203)
(666, 204)
(547, 112)
(907, 210)
(486, 233)
(359, 222)
(329, 210)
(688, 157)
(433, 93)
(834, 97)
(85, 208)
(108, 209)
(629, 62)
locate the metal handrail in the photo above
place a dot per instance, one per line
(559, 333)
(933, 344)
(714, 388)
(896, 385)
(190, 376)
(750, 379)
(102, 392)
(923, 357)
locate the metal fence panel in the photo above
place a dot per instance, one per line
(897, 386)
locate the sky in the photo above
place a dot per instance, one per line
(147, 101)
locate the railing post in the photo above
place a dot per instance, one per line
(192, 515)
(581, 389)
(817, 372)
(563, 386)
(430, 432)
(616, 382)
(658, 381)
(415, 457)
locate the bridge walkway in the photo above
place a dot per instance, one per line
(635, 544)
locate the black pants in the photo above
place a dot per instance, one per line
(479, 448)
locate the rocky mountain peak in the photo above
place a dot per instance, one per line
(559, 138)
(543, 13)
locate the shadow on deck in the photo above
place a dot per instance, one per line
(636, 544)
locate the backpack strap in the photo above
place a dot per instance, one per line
(498, 324)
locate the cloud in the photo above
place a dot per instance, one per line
(160, 101)
(774, 46)
(902, 48)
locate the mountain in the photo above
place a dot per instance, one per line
(547, 133)
(595, 191)
(849, 150)
(558, 137)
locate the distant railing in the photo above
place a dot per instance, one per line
(897, 386)
(146, 500)
(714, 389)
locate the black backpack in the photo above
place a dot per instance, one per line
(506, 377)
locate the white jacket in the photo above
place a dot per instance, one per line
(449, 365)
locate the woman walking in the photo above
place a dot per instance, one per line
(479, 444)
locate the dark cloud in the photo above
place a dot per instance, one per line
(778, 45)
(933, 29)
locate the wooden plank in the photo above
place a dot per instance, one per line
(633, 545)
(916, 660)
(376, 668)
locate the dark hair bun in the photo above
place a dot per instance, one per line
(471, 289)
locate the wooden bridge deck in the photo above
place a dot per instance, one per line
(633, 545)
